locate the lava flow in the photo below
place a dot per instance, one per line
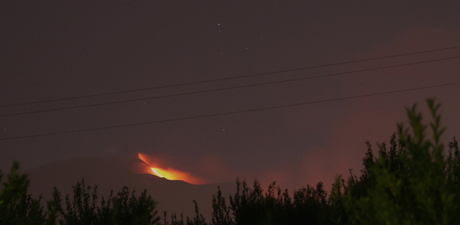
(169, 173)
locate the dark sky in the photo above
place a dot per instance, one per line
(64, 49)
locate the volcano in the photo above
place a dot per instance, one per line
(172, 196)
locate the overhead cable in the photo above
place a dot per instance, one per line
(230, 113)
(229, 88)
(231, 78)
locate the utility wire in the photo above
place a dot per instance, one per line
(231, 113)
(230, 88)
(231, 78)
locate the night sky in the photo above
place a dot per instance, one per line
(65, 49)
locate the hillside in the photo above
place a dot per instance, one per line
(114, 173)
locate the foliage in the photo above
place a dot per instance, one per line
(411, 183)
(308, 205)
(273, 206)
(122, 208)
(408, 181)
(18, 207)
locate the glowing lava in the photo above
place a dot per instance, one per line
(169, 173)
(155, 172)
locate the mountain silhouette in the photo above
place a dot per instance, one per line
(108, 174)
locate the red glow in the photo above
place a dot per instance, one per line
(169, 173)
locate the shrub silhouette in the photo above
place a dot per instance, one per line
(123, 208)
(412, 182)
(409, 181)
(18, 207)
(273, 206)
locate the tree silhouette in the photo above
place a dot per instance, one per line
(408, 181)
(412, 182)
(123, 208)
(18, 207)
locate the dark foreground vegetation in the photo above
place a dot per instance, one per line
(410, 180)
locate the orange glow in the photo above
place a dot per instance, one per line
(169, 173)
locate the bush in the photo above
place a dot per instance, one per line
(122, 208)
(273, 206)
(18, 207)
(411, 183)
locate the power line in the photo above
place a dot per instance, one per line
(231, 78)
(230, 88)
(230, 113)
